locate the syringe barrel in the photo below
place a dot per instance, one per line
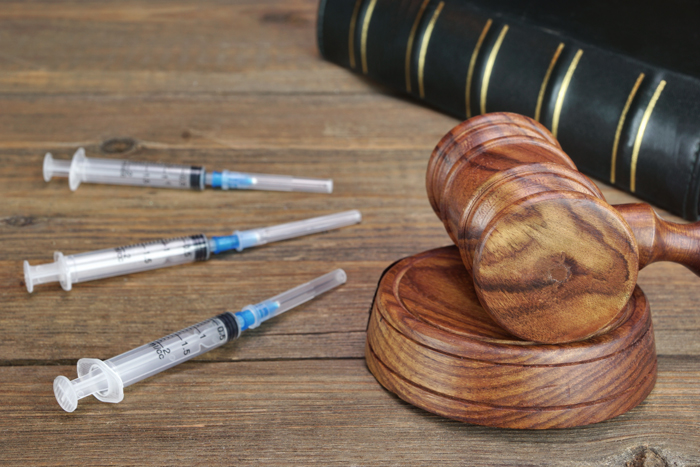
(124, 172)
(136, 258)
(111, 262)
(161, 354)
(106, 380)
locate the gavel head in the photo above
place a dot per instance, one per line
(551, 261)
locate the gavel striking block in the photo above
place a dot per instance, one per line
(551, 261)
(533, 319)
(430, 342)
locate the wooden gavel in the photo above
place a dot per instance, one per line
(552, 262)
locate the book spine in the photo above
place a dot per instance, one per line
(622, 121)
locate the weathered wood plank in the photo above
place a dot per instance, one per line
(97, 216)
(328, 412)
(105, 318)
(229, 48)
(230, 122)
(84, 322)
(160, 35)
(173, 83)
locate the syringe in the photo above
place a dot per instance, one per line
(109, 262)
(106, 380)
(123, 172)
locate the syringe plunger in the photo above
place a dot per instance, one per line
(56, 168)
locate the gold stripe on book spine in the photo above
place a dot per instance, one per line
(620, 124)
(640, 134)
(409, 46)
(351, 36)
(562, 92)
(472, 64)
(424, 47)
(489, 67)
(363, 39)
(545, 81)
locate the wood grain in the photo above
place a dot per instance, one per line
(318, 413)
(551, 260)
(431, 343)
(241, 85)
(660, 240)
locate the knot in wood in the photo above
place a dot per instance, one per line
(118, 145)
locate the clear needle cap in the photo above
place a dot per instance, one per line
(255, 237)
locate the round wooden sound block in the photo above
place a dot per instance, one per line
(430, 342)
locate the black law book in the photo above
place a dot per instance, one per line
(625, 121)
(664, 34)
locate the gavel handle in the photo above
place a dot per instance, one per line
(659, 240)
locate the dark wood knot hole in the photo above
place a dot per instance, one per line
(118, 145)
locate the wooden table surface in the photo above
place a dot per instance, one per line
(240, 85)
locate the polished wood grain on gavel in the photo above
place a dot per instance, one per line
(430, 342)
(533, 319)
(551, 261)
